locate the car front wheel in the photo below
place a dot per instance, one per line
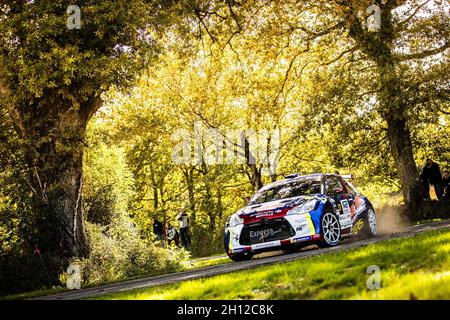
(331, 230)
(235, 256)
(240, 256)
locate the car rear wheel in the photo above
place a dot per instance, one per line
(370, 226)
(331, 230)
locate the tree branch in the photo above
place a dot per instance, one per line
(402, 23)
(235, 18)
(343, 53)
(424, 54)
(288, 71)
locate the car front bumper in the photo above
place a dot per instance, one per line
(302, 226)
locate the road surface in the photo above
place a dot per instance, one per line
(236, 266)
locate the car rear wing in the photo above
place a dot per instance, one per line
(347, 176)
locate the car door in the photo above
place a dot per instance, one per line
(336, 190)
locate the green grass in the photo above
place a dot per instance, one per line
(411, 268)
(428, 221)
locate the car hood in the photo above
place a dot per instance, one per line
(276, 206)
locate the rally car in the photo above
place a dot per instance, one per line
(298, 211)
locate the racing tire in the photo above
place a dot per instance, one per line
(331, 230)
(291, 249)
(370, 226)
(236, 257)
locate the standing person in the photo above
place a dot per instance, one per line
(184, 221)
(172, 234)
(446, 185)
(431, 174)
(157, 228)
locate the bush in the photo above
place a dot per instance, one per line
(118, 252)
(206, 242)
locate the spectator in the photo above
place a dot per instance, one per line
(446, 185)
(172, 235)
(157, 228)
(184, 221)
(431, 174)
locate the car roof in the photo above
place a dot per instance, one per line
(317, 176)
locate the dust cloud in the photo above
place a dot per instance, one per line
(391, 220)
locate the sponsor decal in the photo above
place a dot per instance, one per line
(263, 214)
(301, 239)
(266, 245)
(345, 207)
(345, 217)
(358, 226)
(238, 250)
(304, 225)
(261, 234)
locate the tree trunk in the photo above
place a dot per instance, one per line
(378, 47)
(155, 190)
(60, 227)
(255, 177)
(399, 135)
(55, 156)
(219, 204)
(255, 173)
(401, 149)
(188, 173)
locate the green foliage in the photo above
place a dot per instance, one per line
(119, 248)
(9, 224)
(51, 81)
(118, 252)
(108, 183)
(41, 55)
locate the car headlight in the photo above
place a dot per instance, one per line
(235, 220)
(303, 208)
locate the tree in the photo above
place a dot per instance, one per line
(394, 51)
(51, 80)
(397, 97)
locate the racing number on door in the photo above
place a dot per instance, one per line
(345, 217)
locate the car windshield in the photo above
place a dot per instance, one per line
(288, 190)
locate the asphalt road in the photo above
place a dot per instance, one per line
(236, 266)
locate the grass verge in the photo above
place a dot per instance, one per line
(411, 268)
